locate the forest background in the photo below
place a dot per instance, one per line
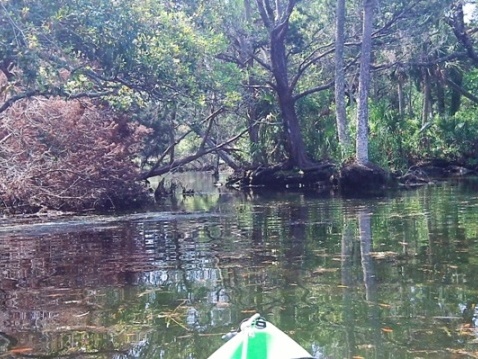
(98, 96)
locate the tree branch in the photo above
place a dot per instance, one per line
(157, 165)
(167, 168)
(306, 64)
(314, 90)
(457, 23)
(54, 92)
(461, 90)
(265, 12)
(210, 118)
(325, 86)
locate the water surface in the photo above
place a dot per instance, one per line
(388, 277)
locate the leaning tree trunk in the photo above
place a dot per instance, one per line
(364, 83)
(277, 26)
(340, 111)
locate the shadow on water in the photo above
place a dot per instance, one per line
(384, 277)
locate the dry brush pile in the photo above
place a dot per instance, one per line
(67, 155)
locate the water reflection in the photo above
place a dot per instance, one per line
(385, 278)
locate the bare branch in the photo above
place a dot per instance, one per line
(314, 90)
(19, 97)
(53, 92)
(157, 165)
(188, 159)
(461, 90)
(325, 86)
(306, 64)
(209, 127)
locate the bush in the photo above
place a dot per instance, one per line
(67, 155)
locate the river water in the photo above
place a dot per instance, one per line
(394, 276)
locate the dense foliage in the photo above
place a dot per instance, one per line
(250, 83)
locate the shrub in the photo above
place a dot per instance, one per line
(67, 155)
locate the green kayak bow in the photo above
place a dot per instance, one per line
(259, 339)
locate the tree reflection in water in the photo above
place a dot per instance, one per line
(369, 276)
(345, 278)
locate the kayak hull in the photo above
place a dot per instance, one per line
(264, 341)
